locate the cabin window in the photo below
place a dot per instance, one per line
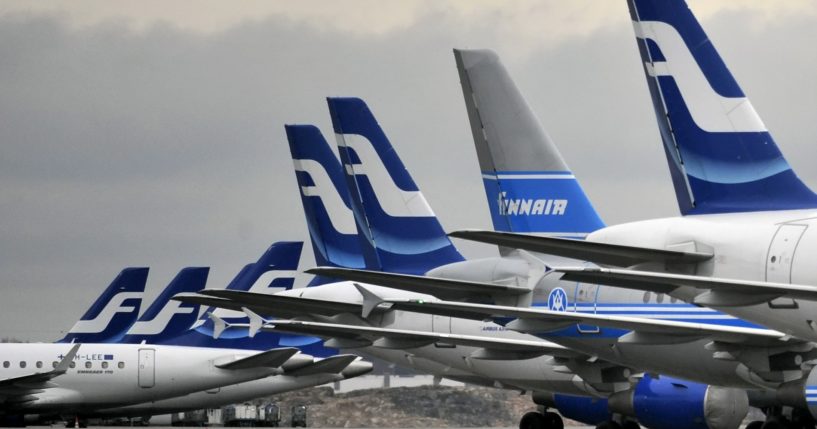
(647, 297)
(6, 364)
(73, 365)
(54, 364)
(39, 364)
(121, 365)
(660, 298)
(88, 364)
(22, 364)
(104, 365)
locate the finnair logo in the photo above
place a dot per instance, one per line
(262, 285)
(158, 324)
(394, 201)
(340, 215)
(529, 206)
(710, 111)
(103, 319)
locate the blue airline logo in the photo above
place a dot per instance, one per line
(523, 207)
(103, 318)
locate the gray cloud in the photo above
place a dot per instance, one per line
(164, 147)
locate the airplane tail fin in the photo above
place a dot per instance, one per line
(274, 271)
(722, 159)
(165, 318)
(325, 199)
(395, 217)
(528, 185)
(113, 313)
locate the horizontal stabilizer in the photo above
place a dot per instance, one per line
(331, 365)
(439, 287)
(718, 292)
(599, 253)
(269, 359)
(336, 330)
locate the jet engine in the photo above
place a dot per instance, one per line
(670, 403)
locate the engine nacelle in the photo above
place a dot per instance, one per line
(590, 411)
(670, 403)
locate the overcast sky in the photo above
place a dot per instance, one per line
(150, 133)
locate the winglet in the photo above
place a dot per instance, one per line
(256, 321)
(65, 363)
(219, 325)
(370, 300)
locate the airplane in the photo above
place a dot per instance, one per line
(84, 380)
(332, 314)
(169, 322)
(738, 243)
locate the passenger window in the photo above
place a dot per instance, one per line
(647, 297)
(660, 298)
(104, 365)
(22, 364)
(6, 364)
(54, 364)
(88, 364)
(73, 365)
(121, 365)
(39, 364)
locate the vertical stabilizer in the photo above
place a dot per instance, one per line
(722, 158)
(402, 228)
(528, 185)
(325, 198)
(113, 313)
(166, 318)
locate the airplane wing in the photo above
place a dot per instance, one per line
(271, 359)
(492, 348)
(439, 287)
(600, 253)
(278, 305)
(716, 291)
(643, 330)
(36, 382)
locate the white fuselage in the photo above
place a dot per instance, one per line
(775, 246)
(115, 375)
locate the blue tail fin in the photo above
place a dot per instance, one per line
(273, 272)
(528, 185)
(113, 313)
(325, 198)
(165, 318)
(402, 228)
(721, 157)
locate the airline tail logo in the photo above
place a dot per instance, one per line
(394, 201)
(524, 207)
(340, 215)
(158, 324)
(710, 111)
(102, 319)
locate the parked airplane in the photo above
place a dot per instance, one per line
(492, 353)
(169, 322)
(743, 221)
